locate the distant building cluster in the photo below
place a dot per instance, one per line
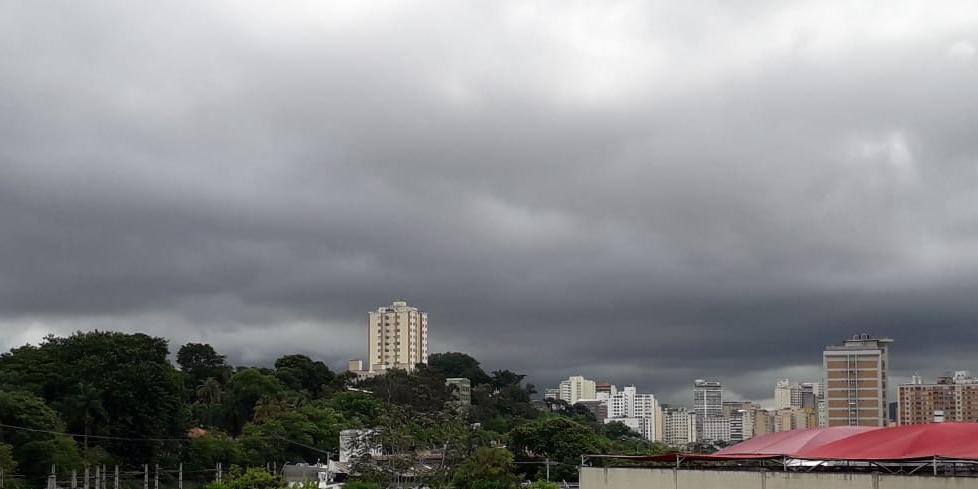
(852, 392)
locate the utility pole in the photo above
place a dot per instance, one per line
(179, 477)
(548, 469)
(116, 477)
(98, 477)
(85, 484)
(145, 476)
(156, 477)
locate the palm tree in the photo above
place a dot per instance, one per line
(85, 407)
(209, 392)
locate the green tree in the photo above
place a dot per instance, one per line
(83, 409)
(560, 439)
(204, 452)
(455, 364)
(246, 388)
(424, 390)
(616, 430)
(358, 408)
(253, 478)
(139, 390)
(302, 374)
(285, 432)
(199, 361)
(488, 468)
(7, 462)
(35, 444)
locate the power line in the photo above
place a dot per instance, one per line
(160, 440)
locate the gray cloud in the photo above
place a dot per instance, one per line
(638, 192)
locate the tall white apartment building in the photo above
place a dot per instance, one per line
(576, 388)
(678, 427)
(639, 412)
(397, 337)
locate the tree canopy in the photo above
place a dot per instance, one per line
(104, 397)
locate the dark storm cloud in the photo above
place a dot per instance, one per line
(638, 193)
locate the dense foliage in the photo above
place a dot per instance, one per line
(114, 398)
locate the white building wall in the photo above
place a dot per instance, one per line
(639, 409)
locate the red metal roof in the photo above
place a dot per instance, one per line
(957, 441)
(794, 441)
(912, 442)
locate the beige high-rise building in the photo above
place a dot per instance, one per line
(397, 337)
(856, 375)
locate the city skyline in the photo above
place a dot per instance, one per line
(647, 192)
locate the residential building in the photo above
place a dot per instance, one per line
(856, 375)
(461, 390)
(715, 428)
(804, 395)
(678, 426)
(953, 398)
(731, 407)
(783, 394)
(637, 411)
(576, 388)
(397, 337)
(604, 391)
(763, 422)
(741, 425)
(707, 402)
(552, 393)
(794, 418)
(598, 407)
(822, 410)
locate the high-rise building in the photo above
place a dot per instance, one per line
(953, 398)
(678, 427)
(707, 402)
(763, 422)
(397, 337)
(856, 374)
(783, 393)
(576, 388)
(804, 395)
(741, 425)
(551, 393)
(637, 411)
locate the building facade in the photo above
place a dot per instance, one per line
(856, 375)
(678, 427)
(576, 388)
(716, 428)
(397, 337)
(460, 389)
(953, 398)
(707, 402)
(637, 411)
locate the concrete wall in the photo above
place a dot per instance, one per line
(644, 478)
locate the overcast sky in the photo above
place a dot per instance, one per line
(638, 192)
